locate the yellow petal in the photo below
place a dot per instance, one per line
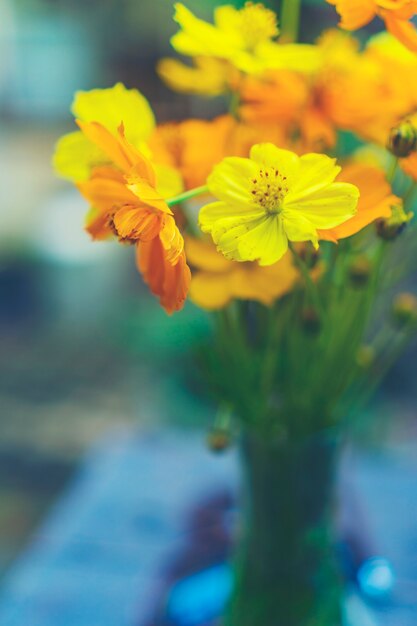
(268, 155)
(210, 291)
(302, 58)
(230, 181)
(75, 156)
(315, 172)
(110, 107)
(327, 207)
(197, 37)
(298, 228)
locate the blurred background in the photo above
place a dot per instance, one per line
(93, 371)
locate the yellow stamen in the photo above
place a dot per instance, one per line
(269, 189)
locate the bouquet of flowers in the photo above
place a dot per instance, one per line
(284, 218)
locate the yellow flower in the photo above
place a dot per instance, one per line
(395, 13)
(75, 155)
(216, 281)
(208, 76)
(244, 37)
(271, 198)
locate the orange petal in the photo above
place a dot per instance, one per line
(146, 192)
(137, 223)
(171, 239)
(118, 149)
(354, 13)
(169, 282)
(403, 30)
(375, 201)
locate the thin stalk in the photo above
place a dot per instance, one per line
(187, 195)
(310, 284)
(392, 170)
(290, 19)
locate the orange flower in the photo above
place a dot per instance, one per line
(217, 281)
(127, 203)
(375, 201)
(395, 13)
(383, 93)
(195, 146)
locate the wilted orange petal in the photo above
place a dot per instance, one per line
(169, 282)
(146, 192)
(171, 239)
(137, 222)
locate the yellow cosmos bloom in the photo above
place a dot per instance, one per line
(75, 155)
(271, 198)
(217, 281)
(395, 13)
(244, 37)
(208, 76)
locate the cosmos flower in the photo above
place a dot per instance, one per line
(272, 198)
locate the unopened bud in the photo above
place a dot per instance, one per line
(404, 310)
(359, 271)
(389, 228)
(402, 140)
(309, 255)
(365, 356)
(219, 439)
(310, 320)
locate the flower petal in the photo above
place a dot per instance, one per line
(327, 207)
(268, 155)
(230, 181)
(110, 107)
(298, 228)
(315, 172)
(75, 156)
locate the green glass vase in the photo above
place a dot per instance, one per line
(286, 573)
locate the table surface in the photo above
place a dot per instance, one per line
(148, 509)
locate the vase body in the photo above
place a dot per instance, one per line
(285, 570)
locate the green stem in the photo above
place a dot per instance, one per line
(187, 195)
(310, 285)
(392, 170)
(290, 19)
(408, 197)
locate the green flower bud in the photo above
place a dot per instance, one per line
(310, 320)
(365, 356)
(309, 255)
(402, 140)
(404, 310)
(389, 228)
(219, 439)
(359, 271)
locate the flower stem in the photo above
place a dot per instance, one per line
(310, 285)
(290, 19)
(187, 195)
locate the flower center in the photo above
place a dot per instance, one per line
(269, 189)
(257, 24)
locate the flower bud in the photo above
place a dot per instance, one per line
(310, 321)
(404, 310)
(365, 356)
(389, 228)
(219, 439)
(309, 255)
(359, 271)
(402, 140)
